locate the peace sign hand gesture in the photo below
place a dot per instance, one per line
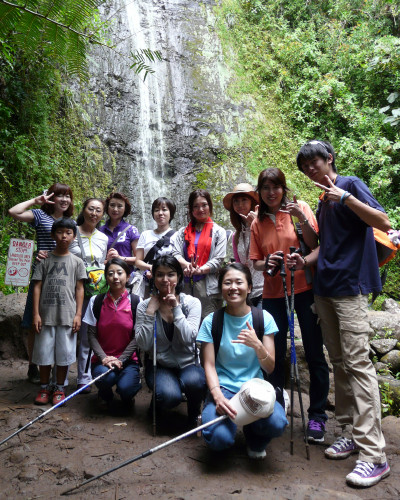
(332, 192)
(43, 199)
(170, 298)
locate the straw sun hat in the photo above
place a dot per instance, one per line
(243, 188)
(255, 400)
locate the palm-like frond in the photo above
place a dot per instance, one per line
(60, 29)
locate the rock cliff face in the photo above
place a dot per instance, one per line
(166, 129)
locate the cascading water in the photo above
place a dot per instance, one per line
(147, 178)
(164, 130)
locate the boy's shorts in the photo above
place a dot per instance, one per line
(54, 345)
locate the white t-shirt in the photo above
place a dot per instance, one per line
(149, 238)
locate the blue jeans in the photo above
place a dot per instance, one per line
(127, 381)
(171, 382)
(312, 343)
(258, 434)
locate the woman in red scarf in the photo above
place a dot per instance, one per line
(200, 249)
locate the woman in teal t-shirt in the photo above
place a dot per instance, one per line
(241, 356)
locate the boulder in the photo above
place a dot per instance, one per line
(392, 358)
(384, 324)
(391, 306)
(12, 337)
(382, 346)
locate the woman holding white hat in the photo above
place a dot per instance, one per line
(242, 204)
(233, 355)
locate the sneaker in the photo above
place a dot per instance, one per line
(256, 455)
(87, 390)
(341, 448)
(367, 474)
(33, 374)
(58, 396)
(43, 397)
(315, 431)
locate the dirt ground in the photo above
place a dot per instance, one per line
(74, 443)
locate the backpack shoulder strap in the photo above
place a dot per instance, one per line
(97, 305)
(258, 321)
(216, 328)
(135, 299)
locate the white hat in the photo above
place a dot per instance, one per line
(256, 399)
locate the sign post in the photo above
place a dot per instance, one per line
(19, 262)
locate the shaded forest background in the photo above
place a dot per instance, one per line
(318, 69)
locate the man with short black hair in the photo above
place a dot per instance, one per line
(346, 272)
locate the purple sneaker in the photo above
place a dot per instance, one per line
(341, 448)
(315, 431)
(367, 474)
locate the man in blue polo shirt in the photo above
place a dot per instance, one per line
(346, 272)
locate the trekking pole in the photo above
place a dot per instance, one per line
(154, 375)
(294, 371)
(149, 452)
(55, 406)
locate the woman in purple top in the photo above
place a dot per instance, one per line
(122, 236)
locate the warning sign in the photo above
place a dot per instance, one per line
(19, 262)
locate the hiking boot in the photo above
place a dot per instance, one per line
(256, 455)
(43, 397)
(367, 474)
(33, 374)
(315, 431)
(58, 396)
(341, 448)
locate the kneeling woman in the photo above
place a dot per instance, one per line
(176, 318)
(240, 357)
(111, 336)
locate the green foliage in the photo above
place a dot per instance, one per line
(43, 138)
(139, 61)
(386, 399)
(322, 70)
(57, 29)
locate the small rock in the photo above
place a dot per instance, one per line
(392, 358)
(17, 457)
(29, 473)
(382, 346)
(382, 368)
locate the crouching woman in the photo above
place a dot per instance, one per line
(111, 320)
(240, 356)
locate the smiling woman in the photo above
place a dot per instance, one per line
(93, 243)
(122, 236)
(200, 249)
(240, 356)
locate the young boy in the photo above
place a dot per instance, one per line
(346, 272)
(57, 310)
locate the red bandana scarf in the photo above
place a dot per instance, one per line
(203, 245)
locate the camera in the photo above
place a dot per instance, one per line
(274, 271)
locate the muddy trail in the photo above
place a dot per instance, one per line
(81, 440)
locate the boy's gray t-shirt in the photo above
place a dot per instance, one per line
(59, 275)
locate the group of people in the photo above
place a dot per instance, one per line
(180, 286)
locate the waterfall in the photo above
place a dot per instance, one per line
(164, 130)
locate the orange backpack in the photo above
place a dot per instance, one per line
(385, 249)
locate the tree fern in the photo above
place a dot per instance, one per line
(61, 29)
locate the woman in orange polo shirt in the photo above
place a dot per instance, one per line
(272, 233)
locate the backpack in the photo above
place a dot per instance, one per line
(98, 304)
(218, 324)
(385, 249)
